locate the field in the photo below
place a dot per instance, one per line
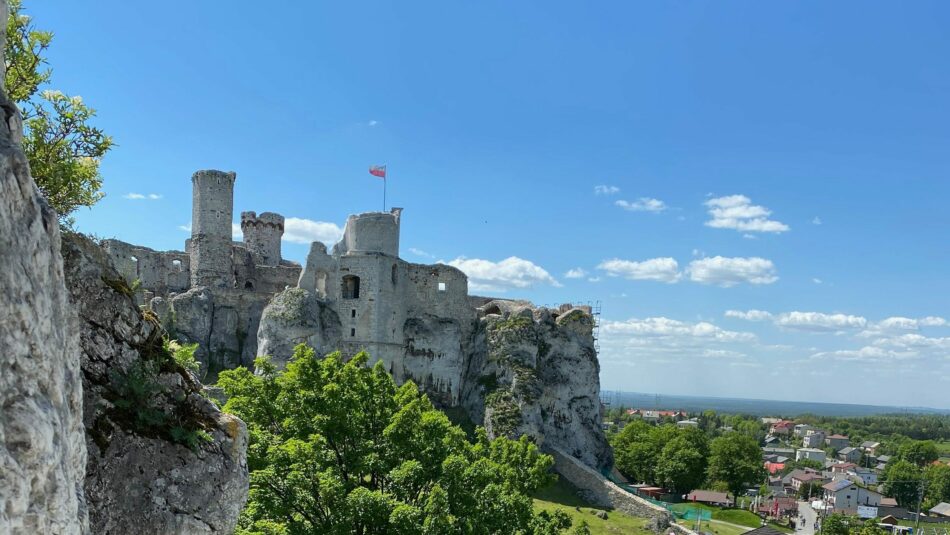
(944, 448)
(561, 496)
(723, 522)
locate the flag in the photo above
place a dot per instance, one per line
(378, 170)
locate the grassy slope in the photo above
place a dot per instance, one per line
(562, 496)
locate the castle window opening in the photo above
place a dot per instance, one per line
(352, 333)
(351, 287)
(248, 285)
(177, 265)
(441, 286)
(353, 313)
(394, 274)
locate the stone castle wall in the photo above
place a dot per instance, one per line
(262, 236)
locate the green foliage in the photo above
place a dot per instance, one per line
(836, 524)
(919, 452)
(736, 460)
(184, 354)
(336, 447)
(938, 484)
(802, 464)
(63, 149)
(901, 482)
(505, 414)
(662, 455)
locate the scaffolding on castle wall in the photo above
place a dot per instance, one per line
(594, 307)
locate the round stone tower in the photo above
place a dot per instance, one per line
(262, 235)
(372, 232)
(212, 210)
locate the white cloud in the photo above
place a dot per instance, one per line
(298, 230)
(933, 321)
(913, 340)
(819, 322)
(576, 273)
(866, 353)
(186, 228)
(606, 190)
(816, 280)
(510, 273)
(236, 233)
(738, 213)
(749, 315)
(816, 221)
(593, 279)
(727, 272)
(141, 196)
(643, 204)
(656, 269)
(662, 327)
(421, 253)
(373, 122)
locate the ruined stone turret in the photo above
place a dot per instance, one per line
(211, 215)
(262, 234)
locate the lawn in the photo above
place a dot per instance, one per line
(944, 448)
(562, 496)
(733, 516)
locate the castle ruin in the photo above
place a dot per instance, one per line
(512, 367)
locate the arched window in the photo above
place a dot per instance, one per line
(176, 265)
(249, 285)
(351, 287)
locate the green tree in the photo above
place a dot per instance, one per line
(736, 460)
(902, 481)
(836, 524)
(938, 483)
(681, 465)
(63, 149)
(919, 452)
(335, 447)
(633, 455)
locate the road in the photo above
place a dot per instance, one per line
(808, 526)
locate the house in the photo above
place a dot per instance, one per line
(800, 430)
(870, 447)
(865, 476)
(650, 416)
(849, 454)
(692, 422)
(941, 509)
(710, 497)
(806, 477)
(769, 421)
(781, 427)
(842, 468)
(813, 454)
(771, 440)
(778, 506)
(845, 496)
(837, 442)
(774, 468)
(813, 439)
(883, 459)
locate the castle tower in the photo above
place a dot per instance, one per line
(262, 236)
(373, 232)
(212, 210)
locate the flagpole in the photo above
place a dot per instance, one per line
(384, 194)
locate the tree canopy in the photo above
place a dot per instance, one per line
(336, 447)
(63, 149)
(736, 460)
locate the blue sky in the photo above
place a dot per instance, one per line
(690, 161)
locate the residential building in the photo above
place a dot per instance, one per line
(800, 479)
(710, 497)
(813, 439)
(849, 454)
(870, 447)
(692, 422)
(800, 430)
(813, 454)
(781, 427)
(865, 476)
(837, 442)
(844, 496)
(941, 509)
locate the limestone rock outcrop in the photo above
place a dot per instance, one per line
(513, 368)
(535, 371)
(42, 451)
(161, 457)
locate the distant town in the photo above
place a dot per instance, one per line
(802, 475)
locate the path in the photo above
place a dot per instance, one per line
(808, 526)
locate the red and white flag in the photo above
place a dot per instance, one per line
(378, 170)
